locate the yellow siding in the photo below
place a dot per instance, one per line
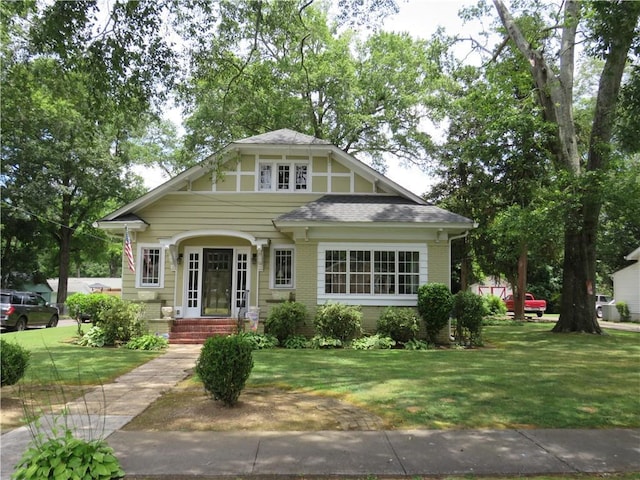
(320, 164)
(247, 183)
(362, 186)
(319, 184)
(340, 184)
(337, 167)
(226, 184)
(247, 163)
(438, 258)
(202, 184)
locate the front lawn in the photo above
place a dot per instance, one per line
(60, 370)
(524, 377)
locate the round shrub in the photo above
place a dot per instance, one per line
(468, 309)
(284, 319)
(14, 361)
(434, 306)
(224, 365)
(342, 322)
(401, 324)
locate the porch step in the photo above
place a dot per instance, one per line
(197, 330)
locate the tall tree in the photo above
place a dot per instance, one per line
(613, 30)
(295, 70)
(76, 78)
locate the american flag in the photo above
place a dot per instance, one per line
(128, 252)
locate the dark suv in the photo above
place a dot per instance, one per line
(19, 310)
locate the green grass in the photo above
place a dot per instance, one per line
(73, 364)
(524, 377)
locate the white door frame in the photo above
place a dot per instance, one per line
(192, 278)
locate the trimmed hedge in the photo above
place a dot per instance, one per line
(224, 365)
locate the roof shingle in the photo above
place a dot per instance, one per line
(369, 208)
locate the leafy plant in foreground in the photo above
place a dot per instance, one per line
(68, 457)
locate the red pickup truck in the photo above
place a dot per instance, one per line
(531, 305)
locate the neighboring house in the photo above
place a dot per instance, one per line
(491, 286)
(112, 286)
(626, 284)
(289, 216)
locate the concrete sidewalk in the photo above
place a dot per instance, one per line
(104, 411)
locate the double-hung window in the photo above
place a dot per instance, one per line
(283, 176)
(282, 267)
(370, 274)
(150, 266)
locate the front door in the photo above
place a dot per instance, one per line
(217, 282)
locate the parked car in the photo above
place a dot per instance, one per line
(20, 310)
(531, 304)
(602, 300)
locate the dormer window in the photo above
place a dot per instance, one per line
(283, 176)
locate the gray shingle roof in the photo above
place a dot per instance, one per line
(284, 137)
(369, 208)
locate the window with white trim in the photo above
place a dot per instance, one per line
(150, 266)
(366, 271)
(283, 176)
(282, 267)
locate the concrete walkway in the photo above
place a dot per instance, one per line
(346, 453)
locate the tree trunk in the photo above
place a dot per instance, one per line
(520, 290)
(577, 310)
(577, 307)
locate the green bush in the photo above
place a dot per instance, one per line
(284, 319)
(318, 341)
(494, 305)
(296, 342)
(121, 322)
(342, 322)
(224, 365)
(92, 304)
(416, 345)
(468, 309)
(623, 310)
(401, 324)
(147, 342)
(259, 341)
(93, 338)
(434, 306)
(14, 360)
(373, 342)
(68, 457)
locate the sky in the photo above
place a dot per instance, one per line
(420, 18)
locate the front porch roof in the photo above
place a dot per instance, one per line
(173, 242)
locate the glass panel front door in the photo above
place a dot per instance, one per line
(217, 282)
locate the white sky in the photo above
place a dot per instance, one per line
(420, 18)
